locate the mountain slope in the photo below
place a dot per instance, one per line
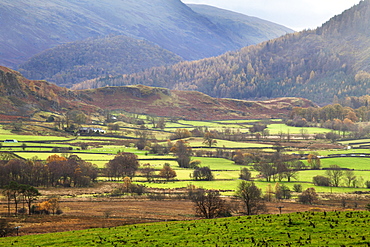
(29, 27)
(22, 97)
(83, 60)
(333, 60)
(242, 29)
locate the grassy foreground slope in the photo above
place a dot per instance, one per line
(347, 228)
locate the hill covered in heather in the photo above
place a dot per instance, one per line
(22, 97)
(332, 61)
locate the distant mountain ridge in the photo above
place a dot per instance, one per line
(30, 27)
(331, 61)
(22, 97)
(77, 61)
(242, 29)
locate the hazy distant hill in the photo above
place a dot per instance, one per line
(83, 60)
(29, 27)
(242, 29)
(333, 60)
(22, 97)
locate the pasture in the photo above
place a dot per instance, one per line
(348, 228)
(102, 149)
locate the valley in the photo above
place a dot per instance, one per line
(156, 123)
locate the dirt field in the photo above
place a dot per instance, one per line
(83, 211)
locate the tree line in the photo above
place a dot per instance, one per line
(335, 116)
(55, 171)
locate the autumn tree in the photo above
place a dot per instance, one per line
(167, 172)
(209, 138)
(54, 204)
(314, 161)
(123, 165)
(181, 134)
(183, 152)
(251, 196)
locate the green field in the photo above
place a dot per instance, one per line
(278, 128)
(226, 172)
(349, 228)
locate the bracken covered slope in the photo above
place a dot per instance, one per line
(22, 97)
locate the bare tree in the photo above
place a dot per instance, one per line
(350, 178)
(208, 204)
(335, 175)
(251, 196)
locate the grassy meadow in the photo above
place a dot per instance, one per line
(348, 228)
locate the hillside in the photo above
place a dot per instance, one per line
(242, 29)
(23, 97)
(30, 27)
(332, 60)
(186, 104)
(75, 62)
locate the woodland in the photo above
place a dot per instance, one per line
(331, 61)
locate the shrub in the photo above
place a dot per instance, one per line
(245, 174)
(297, 187)
(308, 196)
(5, 228)
(22, 210)
(203, 173)
(367, 183)
(59, 212)
(321, 180)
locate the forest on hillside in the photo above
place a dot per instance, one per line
(316, 64)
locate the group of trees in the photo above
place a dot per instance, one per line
(272, 170)
(166, 172)
(126, 165)
(123, 165)
(209, 203)
(20, 193)
(336, 176)
(55, 171)
(336, 117)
